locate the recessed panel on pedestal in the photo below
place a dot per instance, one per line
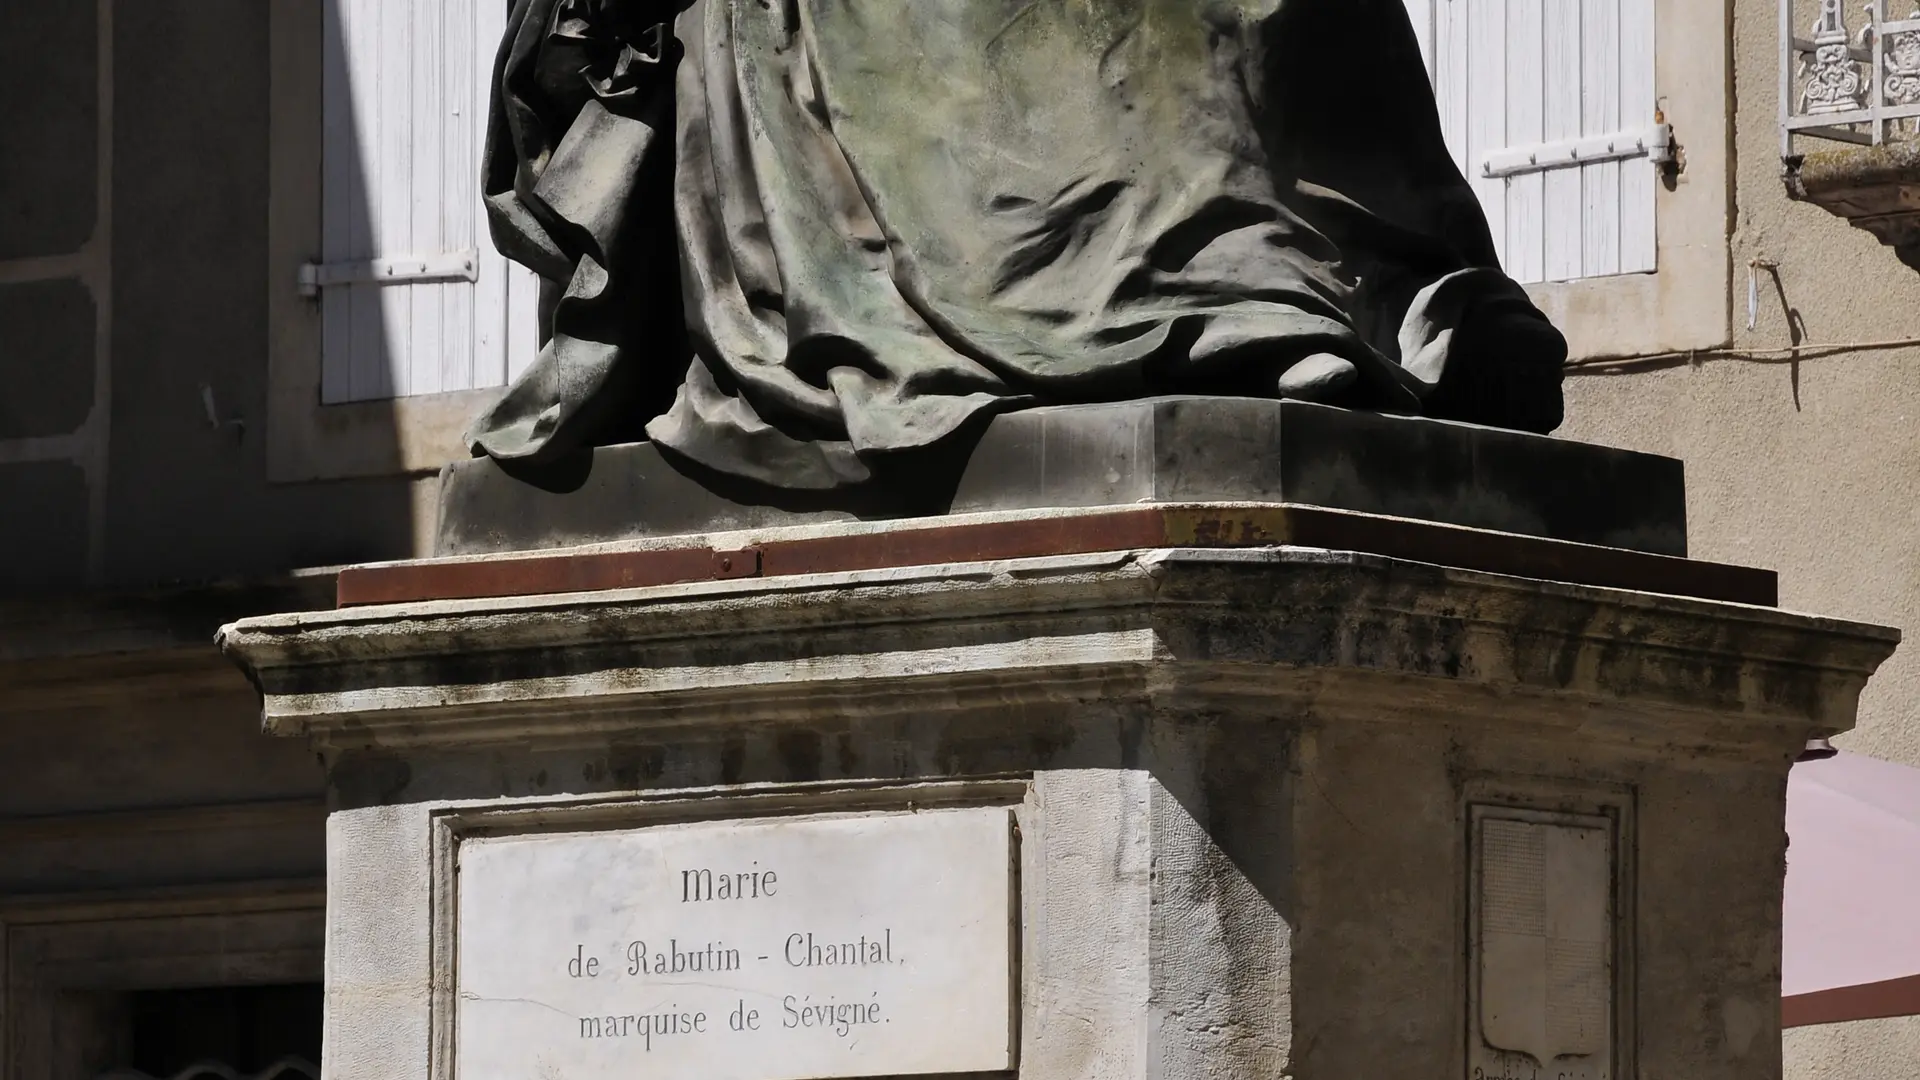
(1543, 946)
(774, 949)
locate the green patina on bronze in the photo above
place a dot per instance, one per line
(799, 241)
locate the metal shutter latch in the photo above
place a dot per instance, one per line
(1654, 142)
(405, 270)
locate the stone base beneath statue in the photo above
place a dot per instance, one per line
(1161, 450)
(1162, 812)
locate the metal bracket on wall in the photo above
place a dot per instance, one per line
(404, 270)
(1654, 142)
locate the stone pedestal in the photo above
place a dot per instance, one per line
(1155, 450)
(1264, 811)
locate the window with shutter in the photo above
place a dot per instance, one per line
(1549, 108)
(414, 299)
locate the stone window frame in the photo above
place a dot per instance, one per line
(56, 950)
(1685, 303)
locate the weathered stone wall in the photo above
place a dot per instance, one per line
(1805, 466)
(150, 837)
(131, 757)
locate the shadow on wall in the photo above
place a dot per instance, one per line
(202, 119)
(51, 276)
(146, 309)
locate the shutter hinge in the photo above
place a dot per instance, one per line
(1654, 142)
(405, 270)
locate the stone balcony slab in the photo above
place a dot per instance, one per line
(1874, 188)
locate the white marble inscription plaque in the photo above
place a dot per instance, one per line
(1543, 946)
(787, 949)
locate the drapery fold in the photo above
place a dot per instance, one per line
(799, 239)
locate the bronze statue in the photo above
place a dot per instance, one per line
(797, 240)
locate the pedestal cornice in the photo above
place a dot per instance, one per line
(1260, 632)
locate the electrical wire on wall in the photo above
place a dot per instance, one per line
(1800, 350)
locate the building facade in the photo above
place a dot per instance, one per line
(247, 304)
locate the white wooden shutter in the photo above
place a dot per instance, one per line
(414, 299)
(1549, 108)
(1420, 13)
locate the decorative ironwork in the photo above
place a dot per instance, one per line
(1830, 76)
(1903, 70)
(1855, 87)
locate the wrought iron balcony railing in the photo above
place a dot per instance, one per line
(1848, 86)
(1844, 85)
(1858, 86)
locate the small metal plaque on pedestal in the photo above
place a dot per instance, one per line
(1543, 932)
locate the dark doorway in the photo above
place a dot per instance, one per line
(250, 1030)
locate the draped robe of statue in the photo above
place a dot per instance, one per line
(795, 241)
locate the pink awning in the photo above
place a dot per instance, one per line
(1852, 921)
